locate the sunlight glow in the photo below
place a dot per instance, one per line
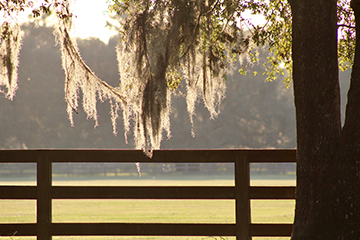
(90, 20)
(91, 16)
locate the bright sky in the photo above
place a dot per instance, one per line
(91, 19)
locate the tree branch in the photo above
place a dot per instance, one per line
(345, 25)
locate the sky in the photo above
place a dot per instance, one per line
(90, 20)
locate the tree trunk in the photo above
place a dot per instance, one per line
(327, 204)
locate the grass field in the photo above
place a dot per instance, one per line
(155, 211)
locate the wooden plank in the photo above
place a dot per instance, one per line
(17, 229)
(272, 155)
(71, 192)
(142, 229)
(242, 183)
(271, 230)
(162, 156)
(147, 229)
(18, 192)
(18, 155)
(64, 192)
(43, 205)
(272, 192)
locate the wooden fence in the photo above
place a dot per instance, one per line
(242, 193)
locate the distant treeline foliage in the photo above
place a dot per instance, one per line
(101, 169)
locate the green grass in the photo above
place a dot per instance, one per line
(155, 211)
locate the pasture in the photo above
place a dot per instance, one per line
(151, 211)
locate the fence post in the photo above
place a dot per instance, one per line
(44, 182)
(242, 201)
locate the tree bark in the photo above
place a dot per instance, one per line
(327, 204)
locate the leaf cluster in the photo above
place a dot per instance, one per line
(346, 29)
(14, 6)
(273, 35)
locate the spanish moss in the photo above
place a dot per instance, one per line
(10, 45)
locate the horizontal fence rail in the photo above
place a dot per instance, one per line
(242, 193)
